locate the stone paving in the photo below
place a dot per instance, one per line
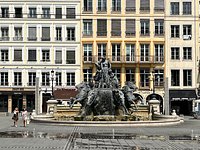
(185, 136)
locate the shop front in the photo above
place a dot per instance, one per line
(182, 101)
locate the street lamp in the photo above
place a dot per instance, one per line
(52, 78)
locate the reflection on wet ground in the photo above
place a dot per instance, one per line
(33, 134)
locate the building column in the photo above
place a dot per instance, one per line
(137, 76)
(9, 103)
(123, 75)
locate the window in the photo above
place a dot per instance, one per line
(187, 8)
(45, 55)
(58, 34)
(71, 34)
(32, 53)
(130, 27)
(71, 79)
(187, 29)
(87, 48)
(187, 77)
(4, 55)
(174, 8)
(71, 13)
(31, 78)
(45, 34)
(4, 78)
(45, 79)
(175, 78)
(130, 5)
(87, 27)
(5, 12)
(144, 77)
(158, 5)
(87, 75)
(187, 53)
(175, 53)
(144, 52)
(175, 31)
(117, 73)
(17, 55)
(144, 27)
(58, 78)
(116, 27)
(58, 57)
(102, 5)
(45, 13)
(144, 5)
(4, 33)
(101, 27)
(87, 5)
(18, 12)
(32, 34)
(130, 52)
(18, 34)
(58, 13)
(116, 5)
(159, 77)
(17, 78)
(130, 75)
(32, 13)
(101, 50)
(159, 53)
(70, 57)
(116, 48)
(159, 27)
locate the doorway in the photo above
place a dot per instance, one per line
(45, 98)
(182, 107)
(17, 101)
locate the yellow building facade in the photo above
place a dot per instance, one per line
(131, 35)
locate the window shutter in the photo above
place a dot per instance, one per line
(70, 12)
(159, 4)
(32, 32)
(116, 27)
(144, 5)
(101, 27)
(32, 55)
(58, 12)
(130, 26)
(18, 55)
(46, 33)
(130, 5)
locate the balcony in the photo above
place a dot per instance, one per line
(32, 38)
(130, 33)
(17, 38)
(159, 9)
(87, 9)
(87, 33)
(17, 84)
(4, 38)
(145, 34)
(116, 33)
(45, 39)
(45, 16)
(144, 9)
(130, 9)
(101, 9)
(102, 33)
(31, 84)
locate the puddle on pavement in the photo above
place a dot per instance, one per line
(34, 134)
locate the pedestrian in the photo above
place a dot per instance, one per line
(15, 116)
(24, 117)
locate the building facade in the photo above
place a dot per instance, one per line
(182, 54)
(38, 39)
(131, 34)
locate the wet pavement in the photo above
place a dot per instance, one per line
(185, 136)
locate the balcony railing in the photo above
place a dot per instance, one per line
(87, 9)
(58, 38)
(58, 61)
(116, 9)
(102, 33)
(32, 38)
(70, 38)
(144, 9)
(87, 33)
(17, 84)
(4, 38)
(130, 9)
(101, 9)
(45, 39)
(126, 59)
(70, 61)
(115, 33)
(18, 16)
(4, 84)
(130, 33)
(31, 84)
(159, 9)
(17, 38)
(159, 33)
(46, 16)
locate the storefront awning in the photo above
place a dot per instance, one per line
(181, 95)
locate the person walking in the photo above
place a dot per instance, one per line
(24, 117)
(15, 116)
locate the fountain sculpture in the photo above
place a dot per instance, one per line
(103, 99)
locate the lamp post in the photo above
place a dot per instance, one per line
(153, 73)
(52, 78)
